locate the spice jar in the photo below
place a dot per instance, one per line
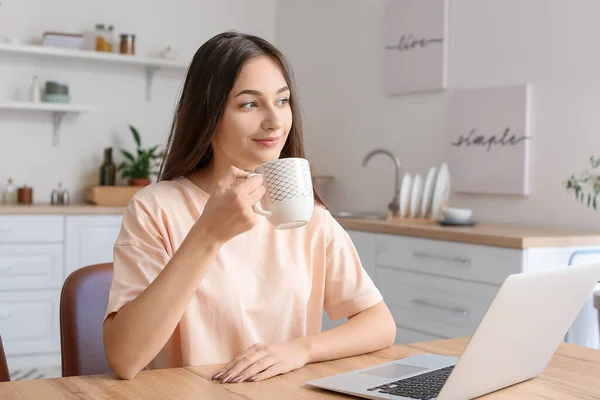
(127, 44)
(59, 196)
(104, 38)
(24, 195)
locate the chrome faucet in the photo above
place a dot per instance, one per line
(394, 205)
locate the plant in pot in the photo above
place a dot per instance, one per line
(586, 186)
(138, 168)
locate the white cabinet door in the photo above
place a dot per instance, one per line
(90, 240)
(29, 322)
(364, 242)
(464, 261)
(440, 306)
(31, 266)
(31, 228)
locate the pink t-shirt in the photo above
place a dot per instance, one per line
(265, 285)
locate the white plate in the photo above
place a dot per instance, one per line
(441, 192)
(415, 196)
(405, 194)
(428, 191)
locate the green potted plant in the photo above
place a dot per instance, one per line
(586, 186)
(144, 164)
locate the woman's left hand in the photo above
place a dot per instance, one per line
(263, 361)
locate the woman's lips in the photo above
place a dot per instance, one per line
(268, 142)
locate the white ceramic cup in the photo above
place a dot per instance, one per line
(289, 200)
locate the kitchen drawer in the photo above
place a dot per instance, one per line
(31, 266)
(406, 336)
(455, 260)
(31, 228)
(439, 306)
(29, 322)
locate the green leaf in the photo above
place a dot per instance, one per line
(141, 163)
(128, 155)
(589, 199)
(151, 151)
(136, 136)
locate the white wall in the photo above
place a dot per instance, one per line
(335, 47)
(26, 152)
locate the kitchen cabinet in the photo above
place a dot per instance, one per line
(443, 288)
(37, 254)
(90, 239)
(438, 289)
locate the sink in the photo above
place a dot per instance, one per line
(360, 215)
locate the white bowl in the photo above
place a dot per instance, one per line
(457, 214)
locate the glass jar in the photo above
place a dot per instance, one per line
(111, 37)
(104, 38)
(127, 44)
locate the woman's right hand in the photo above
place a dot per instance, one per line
(228, 211)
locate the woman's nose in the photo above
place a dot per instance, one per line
(272, 122)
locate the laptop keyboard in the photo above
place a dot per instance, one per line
(422, 387)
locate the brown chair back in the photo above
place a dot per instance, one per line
(597, 305)
(4, 373)
(83, 302)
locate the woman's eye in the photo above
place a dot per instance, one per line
(249, 104)
(283, 101)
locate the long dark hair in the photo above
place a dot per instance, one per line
(210, 78)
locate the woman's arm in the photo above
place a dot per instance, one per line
(135, 334)
(367, 331)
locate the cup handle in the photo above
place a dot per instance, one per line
(256, 207)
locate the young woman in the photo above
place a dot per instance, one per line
(199, 278)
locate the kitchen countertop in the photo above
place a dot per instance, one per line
(518, 237)
(71, 209)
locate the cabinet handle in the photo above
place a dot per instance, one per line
(5, 230)
(455, 310)
(5, 316)
(5, 269)
(457, 260)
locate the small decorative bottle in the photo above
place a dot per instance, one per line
(10, 194)
(108, 169)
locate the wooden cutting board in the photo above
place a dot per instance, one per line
(110, 195)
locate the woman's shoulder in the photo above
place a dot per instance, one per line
(161, 195)
(322, 219)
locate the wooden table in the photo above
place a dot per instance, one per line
(573, 373)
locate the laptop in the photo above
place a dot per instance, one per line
(514, 342)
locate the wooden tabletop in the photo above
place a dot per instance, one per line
(573, 373)
(512, 236)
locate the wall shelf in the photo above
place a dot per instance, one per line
(58, 111)
(149, 64)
